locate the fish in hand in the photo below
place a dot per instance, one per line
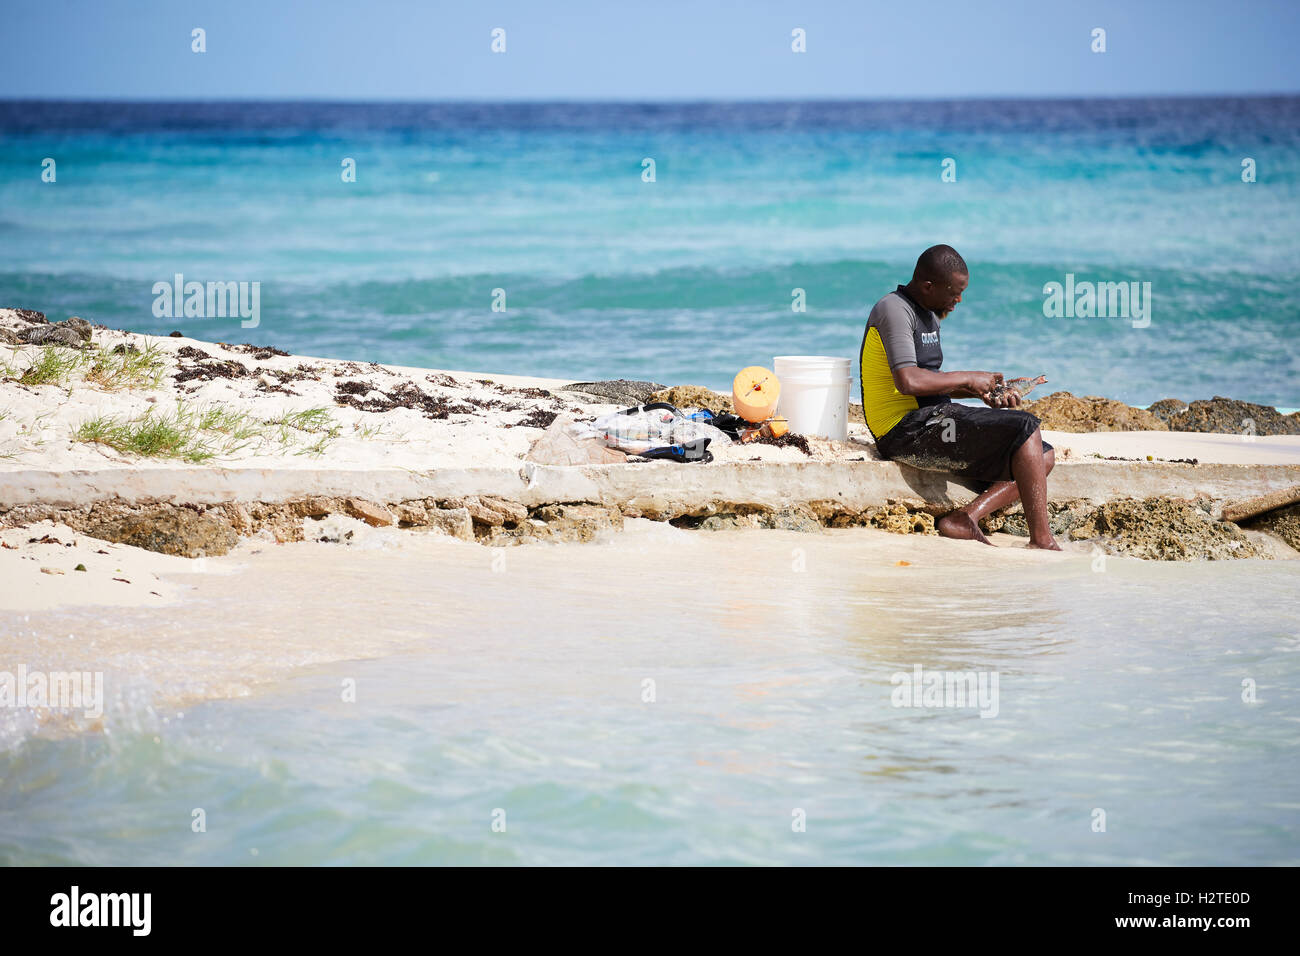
(1021, 386)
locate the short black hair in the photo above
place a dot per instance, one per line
(937, 263)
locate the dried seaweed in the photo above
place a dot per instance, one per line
(211, 371)
(259, 352)
(537, 418)
(788, 440)
(406, 395)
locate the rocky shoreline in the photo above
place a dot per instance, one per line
(1156, 528)
(1064, 412)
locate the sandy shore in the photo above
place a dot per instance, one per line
(46, 565)
(282, 427)
(459, 419)
(1172, 446)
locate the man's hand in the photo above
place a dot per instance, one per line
(1008, 399)
(983, 383)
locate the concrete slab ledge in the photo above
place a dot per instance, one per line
(655, 488)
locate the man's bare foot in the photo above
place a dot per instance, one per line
(1048, 545)
(958, 524)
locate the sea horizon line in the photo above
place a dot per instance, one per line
(640, 101)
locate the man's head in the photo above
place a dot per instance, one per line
(939, 279)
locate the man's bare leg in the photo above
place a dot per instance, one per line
(1029, 469)
(964, 522)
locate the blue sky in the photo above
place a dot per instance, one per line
(658, 50)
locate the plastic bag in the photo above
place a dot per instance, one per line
(646, 427)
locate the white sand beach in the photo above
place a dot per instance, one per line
(483, 425)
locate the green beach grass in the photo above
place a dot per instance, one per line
(108, 369)
(200, 434)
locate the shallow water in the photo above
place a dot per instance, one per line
(514, 680)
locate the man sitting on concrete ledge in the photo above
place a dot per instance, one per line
(908, 404)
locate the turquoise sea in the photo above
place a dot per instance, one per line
(690, 277)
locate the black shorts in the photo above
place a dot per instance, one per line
(971, 442)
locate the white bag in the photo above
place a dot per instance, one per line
(638, 430)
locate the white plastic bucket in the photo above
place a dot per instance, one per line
(815, 394)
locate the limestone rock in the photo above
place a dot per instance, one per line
(316, 506)
(620, 391)
(178, 531)
(1018, 525)
(1167, 409)
(411, 513)
(1061, 517)
(239, 518)
(1013, 522)
(847, 518)
(996, 521)
(1228, 416)
(1160, 529)
(824, 510)
(575, 522)
(80, 326)
(489, 511)
(694, 396)
(482, 514)
(791, 519)
(54, 334)
(499, 537)
(73, 332)
(799, 517)
(1063, 412)
(899, 519)
(283, 522)
(727, 521)
(453, 521)
(513, 511)
(377, 516)
(1284, 522)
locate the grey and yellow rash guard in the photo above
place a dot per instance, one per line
(899, 333)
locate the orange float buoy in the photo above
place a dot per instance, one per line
(754, 393)
(778, 427)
